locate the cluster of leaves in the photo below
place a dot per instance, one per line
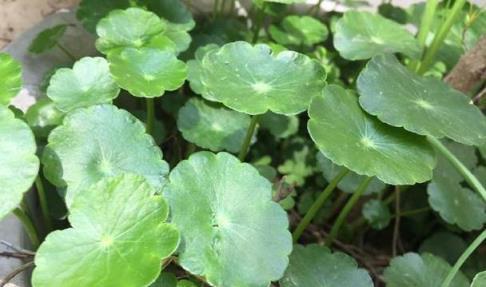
(133, 197)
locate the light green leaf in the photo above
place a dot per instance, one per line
(362, 35)
(179, 37)
(88, 83)
(11, 78)
(194, 69)
(133, 27)
(43, 116)
(300, 162)
(349, 137)
(376, 213)
(212, 126)
(98, 142)
(446, 245)
(235, 235)
(424, 270)
(299, 30)
(279, 125)
(147, 72)
(47, 39)
(479, 280)
(351, 181)
(425, 106)
(18, 163)
(252, 80)
(317, 266)
(456, 204)
(118, 238)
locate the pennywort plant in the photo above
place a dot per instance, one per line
(270, 149)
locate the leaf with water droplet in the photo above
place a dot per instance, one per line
(349, 137)
(18, 163)
(361, 35)
(422, 105)
(118, 238)
(252, 80)
(232, 233)
(98, 142)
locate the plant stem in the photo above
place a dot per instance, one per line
(149, 126)
(396, 227)
(440, 36)
(28, 225)
(249, 135)
(425, 25)
(66, 51)
(347, 209)
(459, 166)
(470, 249)
(318, 203)
(215, 8)
(258, 25)
(43, 203)
(314, 10)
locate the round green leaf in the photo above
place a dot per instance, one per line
(118, 238)
(194, 69)
(97, 142)
(147, 72)
(466, 154)
(279, 126)
(18, 163)
(446, 245)
(252, 80)
(173, 11)
(424, 270)
(133, 27)
(479, 280)
(299, 30)
(234, 234)
(449, 199)
(349, 137)
(11, 78)
(43, 116)
(362, 35)
(47, 39)
(317, 266)
(376, 213)
(351, 181)
(179, 37)
(425, 106)
(90, 12)
(212, 127)
(88, 83)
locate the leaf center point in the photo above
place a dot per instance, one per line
(261, 87)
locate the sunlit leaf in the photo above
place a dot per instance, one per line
(18, 163)
(88, 83)
(98, 142)
(234, 234)
(252, 80)
(362, 35)
(147, 72)
(11, 78)
(118, 238)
